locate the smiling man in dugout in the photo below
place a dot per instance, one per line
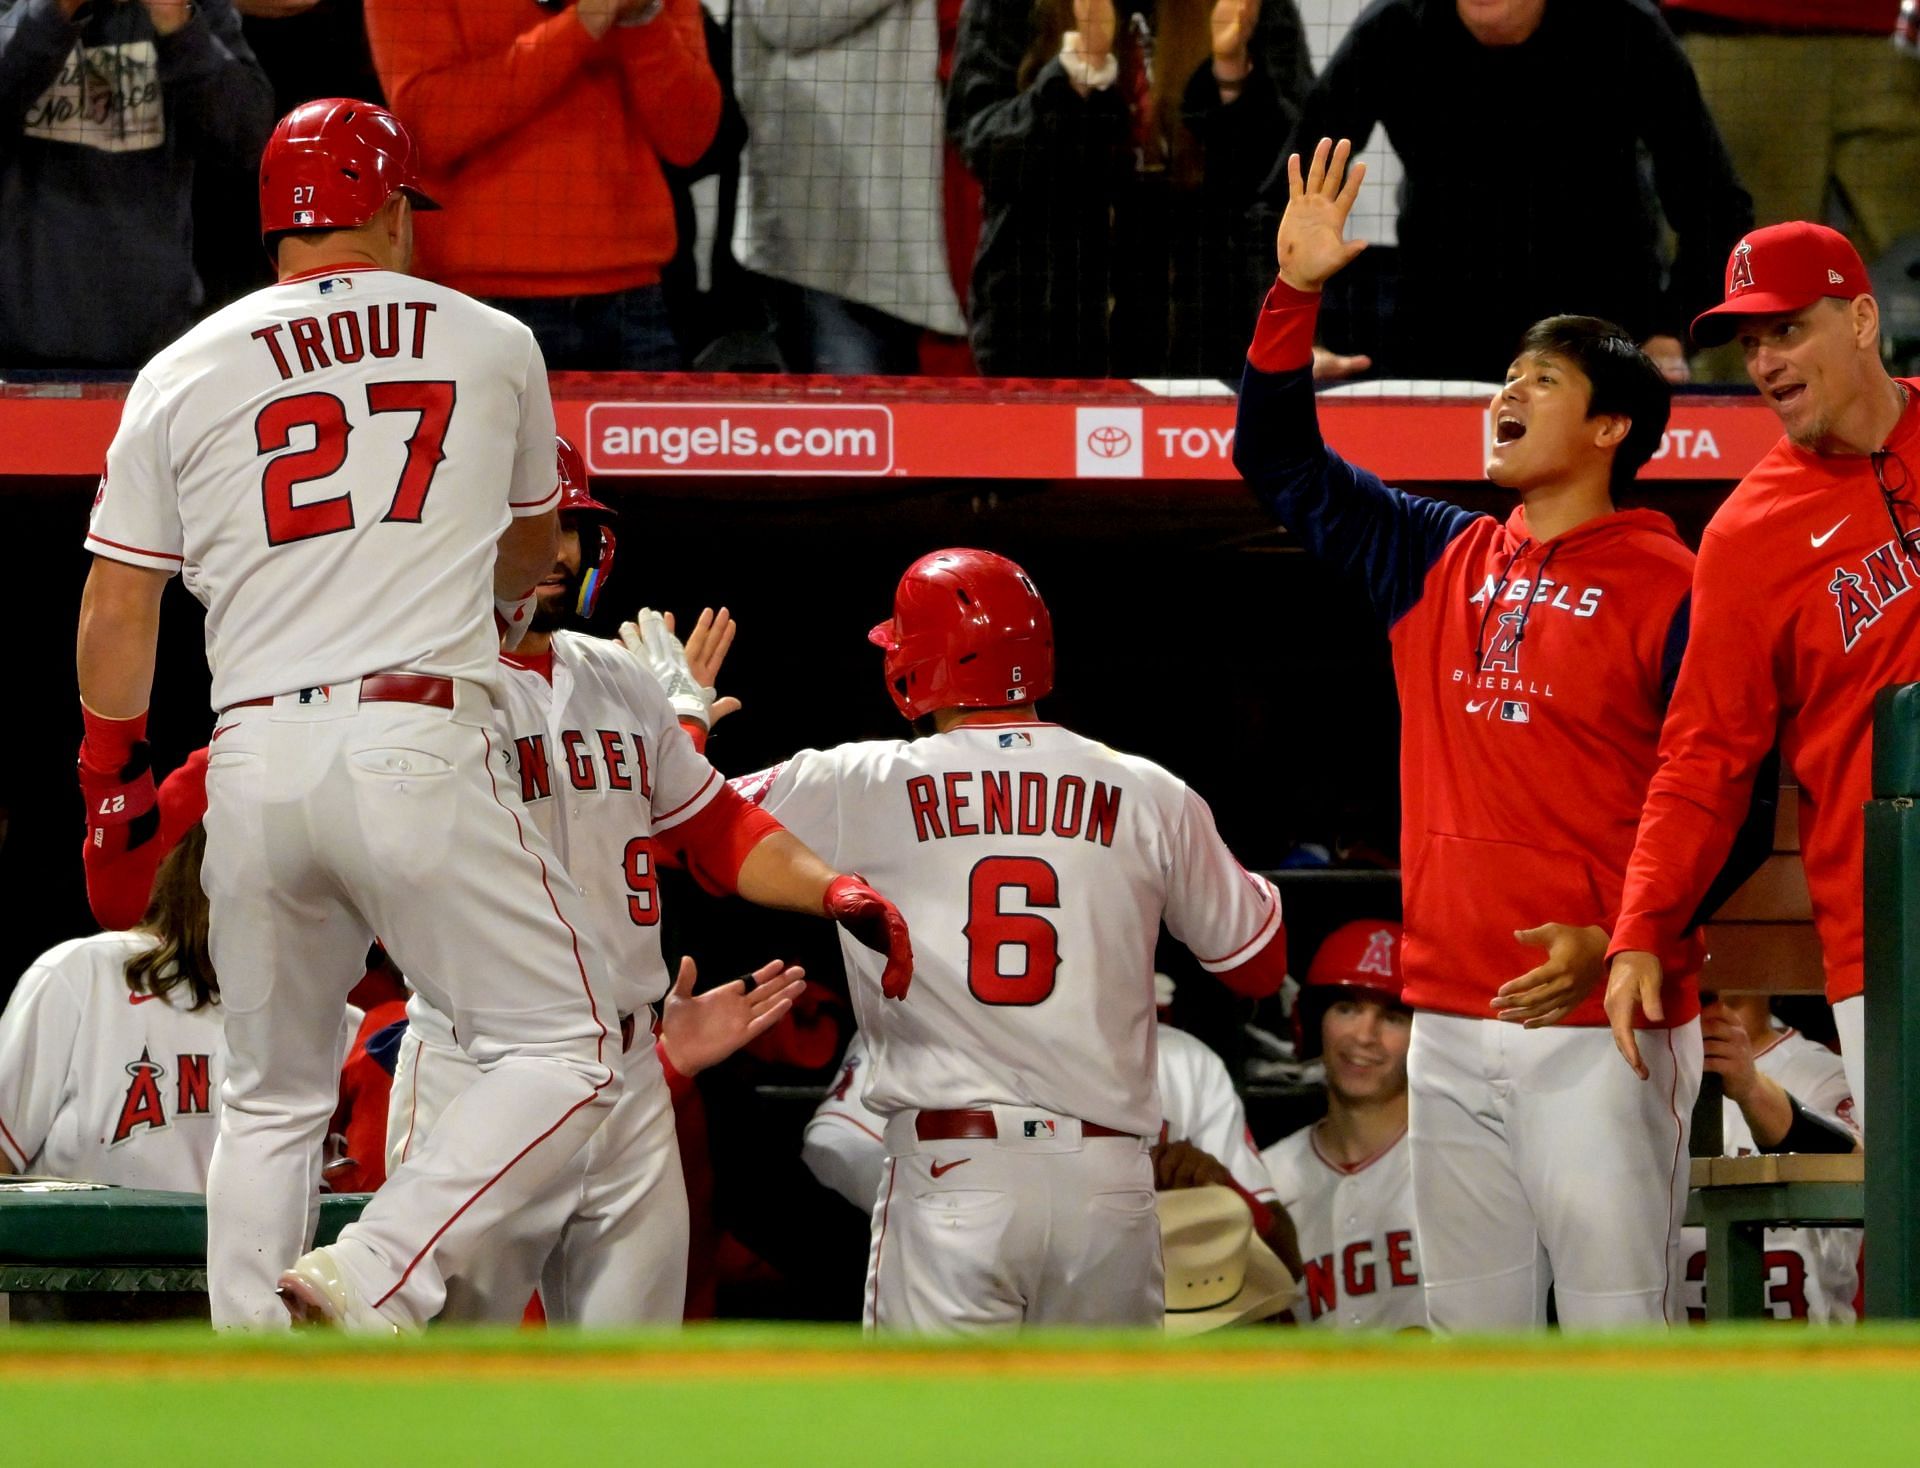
(1801, 618)
(1533, 656)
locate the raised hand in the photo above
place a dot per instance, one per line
(1232, 29)
(707, 647)
(1094, 25)
(649, 638)
(1312, 245)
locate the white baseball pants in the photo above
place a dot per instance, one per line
(606, 1243)
(975, 1235)
(1539, 1158)
(329, 823)
(1850, 1019)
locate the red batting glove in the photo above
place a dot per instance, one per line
(877, 923)
(116, 777)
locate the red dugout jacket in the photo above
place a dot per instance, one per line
(1801, 615)
(1532, 675)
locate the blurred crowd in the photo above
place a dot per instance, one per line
(1050, 188)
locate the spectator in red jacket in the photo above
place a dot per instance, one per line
(543, 131)
(1800, 616)
(1533, 657)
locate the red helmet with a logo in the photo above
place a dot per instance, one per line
(332, 164)
(592, 519)
(1357, 960)
(968, 631)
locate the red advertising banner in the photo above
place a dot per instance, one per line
(753, 429)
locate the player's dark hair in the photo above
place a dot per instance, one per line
(177, 916)
(1625, 382)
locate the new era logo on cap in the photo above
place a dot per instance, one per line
(1834, 277)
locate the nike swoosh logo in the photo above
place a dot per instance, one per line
(941, 1169)
(1820, 540)
(1474, 708)
(140, 998)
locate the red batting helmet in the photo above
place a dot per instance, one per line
(1357, 960)
(968, 631)
(591, 518)
(332, 164)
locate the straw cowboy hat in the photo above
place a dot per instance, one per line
(1217, 1271)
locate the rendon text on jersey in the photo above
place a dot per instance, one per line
(1007, 810)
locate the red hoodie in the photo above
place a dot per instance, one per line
(1532, 679)
(1801, 615)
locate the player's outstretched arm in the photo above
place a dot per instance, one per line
(701, 1030)
(782, 872)
(1338, 511)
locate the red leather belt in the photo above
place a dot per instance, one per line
(382, 688)
(948, 1126)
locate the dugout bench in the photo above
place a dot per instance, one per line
(80, 1251)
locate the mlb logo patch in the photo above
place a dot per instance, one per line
(336, 285)
(1037, 1131)
(315, 695)
(1016, 741)
(1513, 711)
(302, 216)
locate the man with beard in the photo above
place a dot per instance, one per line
(1345, 1179)
(1800, 616)
(610, 775)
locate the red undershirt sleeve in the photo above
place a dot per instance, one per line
(713, 844)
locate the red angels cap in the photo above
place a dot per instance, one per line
(1781, 269)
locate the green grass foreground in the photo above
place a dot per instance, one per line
(786, 1397)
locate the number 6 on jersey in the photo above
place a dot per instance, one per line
(991, 930)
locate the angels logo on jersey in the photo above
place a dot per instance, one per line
(143, 1105)
(1504, 655)
(1861, 598)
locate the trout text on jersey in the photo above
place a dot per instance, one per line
(341, 338)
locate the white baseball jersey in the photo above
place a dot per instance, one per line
(103, 1085)
(354, 429)
(1034, 868)
(1812, 1273)
(602, 765)
(846, 1149)
(1356, 1234)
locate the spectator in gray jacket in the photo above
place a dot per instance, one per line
(840, 190)
(104, 107)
